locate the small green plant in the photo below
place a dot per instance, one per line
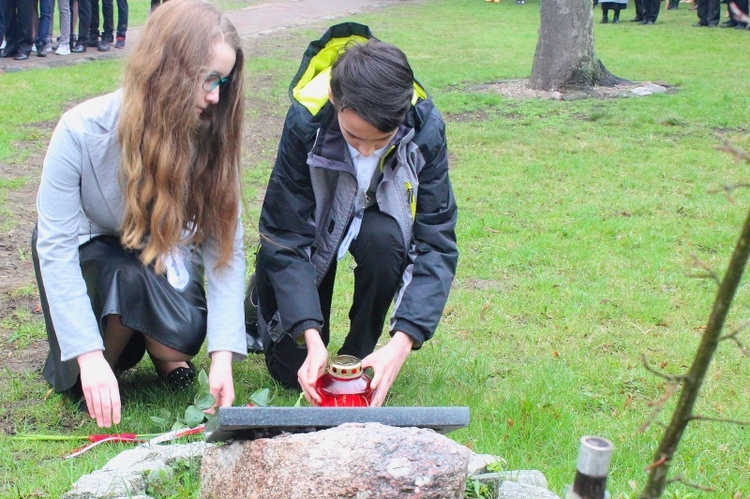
(478, 489)
(182, 481)
(194, 414)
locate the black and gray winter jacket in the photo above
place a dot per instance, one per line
(310, 202)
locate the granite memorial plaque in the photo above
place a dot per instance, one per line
(249, 423)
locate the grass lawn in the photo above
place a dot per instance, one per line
(579, 227)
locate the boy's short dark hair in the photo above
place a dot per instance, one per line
(374, 80)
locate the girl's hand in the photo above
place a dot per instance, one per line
(220, 382)
(100, 389)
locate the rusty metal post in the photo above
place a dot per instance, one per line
(592, 468)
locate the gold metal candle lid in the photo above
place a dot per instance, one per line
(345, 366)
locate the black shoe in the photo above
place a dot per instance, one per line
(41, 50)
(648, 23)
(672, 8)
(636, 20)
(120, 43)
(604, 20)
(712, 25)
(616, 19)
(21, 56)
(7, 53)
(93, 41)
(741, 26)
(254, 340)
(181, 378)
(728, 24)
(700, 24)
(103, 45)
(80, 48)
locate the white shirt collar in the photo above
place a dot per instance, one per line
(356, 155)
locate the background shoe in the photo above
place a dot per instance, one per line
(120, 42)
(7, 53)
(63, 49)
(103, 45)
(79, 48)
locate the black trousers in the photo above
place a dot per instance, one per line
(18, 26)
(380, 256)
(708, 11)
(651, 10)
(84, 21)
(640, 10)
(108, 19)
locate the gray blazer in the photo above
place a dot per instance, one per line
(80, 197)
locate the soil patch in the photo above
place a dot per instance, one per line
(519, 89)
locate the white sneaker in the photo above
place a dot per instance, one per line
(3, 45)
(33, 48)
(48, 48)
(63, 49)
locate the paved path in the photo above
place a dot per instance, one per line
(250, 21)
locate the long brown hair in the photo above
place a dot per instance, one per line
(180, 173)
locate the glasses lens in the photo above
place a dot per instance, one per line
(212, 81)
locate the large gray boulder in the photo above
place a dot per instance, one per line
(354, 460)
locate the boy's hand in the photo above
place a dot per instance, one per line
(313, 367)
(386, 364)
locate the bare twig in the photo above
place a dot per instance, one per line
(656, 463)
(728, 190)
(710, 273)
(672, 378)
(695, 376)
(697, 417)
(681, 479)
(658, 406)
(727, 146)
(734, 338)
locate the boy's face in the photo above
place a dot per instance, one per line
(361, 135)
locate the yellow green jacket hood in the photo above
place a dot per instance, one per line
(310, 85)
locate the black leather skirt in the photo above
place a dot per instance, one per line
(119, 284)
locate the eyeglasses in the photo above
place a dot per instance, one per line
(212, 81)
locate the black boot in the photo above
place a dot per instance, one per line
(616, 18)
(605, 19)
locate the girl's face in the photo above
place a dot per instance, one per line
(222, 63)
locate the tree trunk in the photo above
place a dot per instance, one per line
(657, 478)
(565, 58)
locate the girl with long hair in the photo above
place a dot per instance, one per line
(138, 204)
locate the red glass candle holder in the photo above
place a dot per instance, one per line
(345, 384)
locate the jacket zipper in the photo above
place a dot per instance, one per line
(410, 197)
